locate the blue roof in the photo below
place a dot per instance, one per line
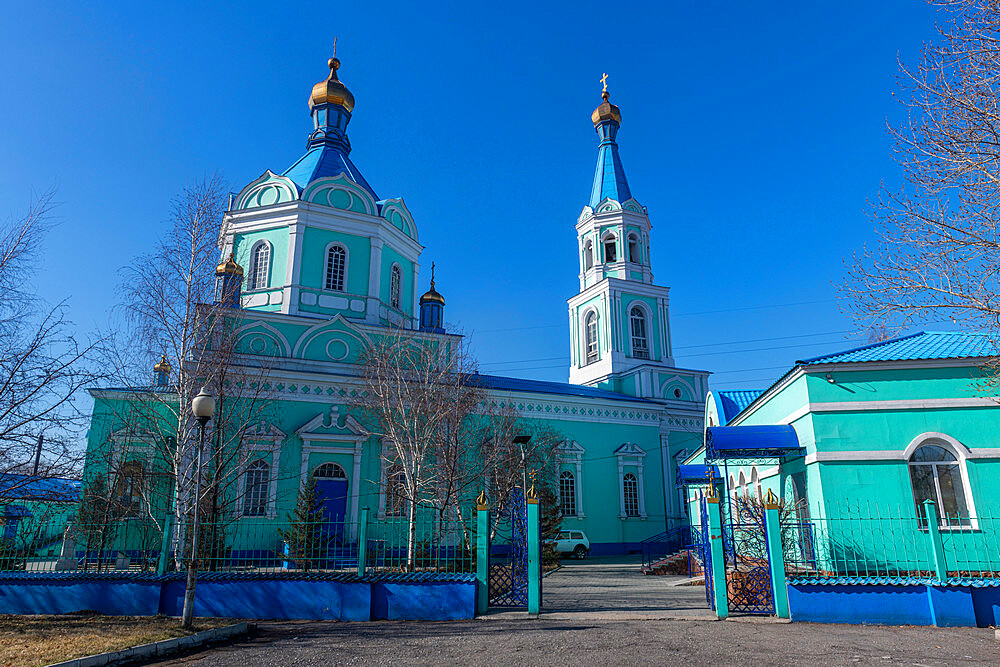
(322, 161)
(745, 442)
(24, 487)
(731, 403)
(697, 473)
(609, 177)
(500, 383)
(921, 345)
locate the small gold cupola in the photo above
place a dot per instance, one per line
(229, 267)
(432, 309)
(332, 91)
(161, 374)
(606, 111)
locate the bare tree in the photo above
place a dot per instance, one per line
(420, 401)
(169, 307)
(938, 251)
(42, 364)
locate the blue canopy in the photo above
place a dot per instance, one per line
(751, 442)
(696, 473)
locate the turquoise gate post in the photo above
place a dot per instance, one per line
(363, 543)
(482, 554)
(534, 553)
(168, 525)
(718, 558)
(937, 544)
(775, 554)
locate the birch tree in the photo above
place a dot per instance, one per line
(937, 253)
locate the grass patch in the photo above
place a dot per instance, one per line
(27, 641)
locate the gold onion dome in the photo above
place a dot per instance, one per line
(606, 111)
(332, 91)
(163, 366)
(432, 296)
(229, 267)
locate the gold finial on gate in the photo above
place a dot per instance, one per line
(482, 503)
(771, 501)
(532, 495)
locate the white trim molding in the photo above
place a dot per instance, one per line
(630, 454)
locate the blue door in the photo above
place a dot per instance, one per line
(333, 496)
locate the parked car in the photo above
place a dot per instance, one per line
(573, 542)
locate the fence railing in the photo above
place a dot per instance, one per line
(370, 545)
(865, 541)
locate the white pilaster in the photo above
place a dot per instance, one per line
(374, 281)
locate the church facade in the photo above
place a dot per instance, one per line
(327, 265)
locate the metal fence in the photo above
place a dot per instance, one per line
(250, 545)
(866, 541)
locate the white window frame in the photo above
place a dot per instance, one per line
(630, 456)
(632, 240)
(588, 255)
(587, 358)
(247, 490)
(567, 499)
(570, 453)
(261, 440)
(644, 316)
(960, 452)
(613, 238)
(260, 279)
(326, 267)
(395, 284)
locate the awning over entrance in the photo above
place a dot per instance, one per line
(751, 442)
(697, 473)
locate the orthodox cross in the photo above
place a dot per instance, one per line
(604, 80)
(335, 46)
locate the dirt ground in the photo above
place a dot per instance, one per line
(26, 641)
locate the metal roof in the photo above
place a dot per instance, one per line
(751, 442)
(500, 383)
(697, 473)
(921, 345)
(734, 402)
(24, 487)
(323, 161)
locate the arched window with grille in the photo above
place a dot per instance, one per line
(336, 267)
(588, 255)
(260, 266)
(395, 493)
(329, 471)
(630, 486)
(129, 487)
(590, 333)
(256, 480)
(640, 343)
(937, 474)
(394, 279)
(567, 493)
(633, 248)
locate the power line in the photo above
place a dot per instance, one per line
(762, 340)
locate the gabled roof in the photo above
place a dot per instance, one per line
(24, 487)
(323, 161)
(731, 403)
(921, 345)
(543, 387)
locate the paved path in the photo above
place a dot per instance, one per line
(615, 589)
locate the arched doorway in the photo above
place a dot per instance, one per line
(331, 487)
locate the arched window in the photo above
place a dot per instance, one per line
(336, 266)
(588, 255)
(395, 276)
(610, 249)
(260, 266)
(590, 327)
(128, 488)
(255, 488)
(630, 485)
(329, 471)
(395, 493)
(936, 474)
(640, 343)
(633, 248)
(567, 493)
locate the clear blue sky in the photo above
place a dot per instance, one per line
(753, 132)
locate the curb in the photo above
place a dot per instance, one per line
(552, 571)
(158, 649)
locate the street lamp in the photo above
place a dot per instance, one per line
(203, 408)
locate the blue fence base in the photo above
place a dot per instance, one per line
(408, 597)
(896, 604)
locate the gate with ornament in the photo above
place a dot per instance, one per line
(508, 571)
(748, 568)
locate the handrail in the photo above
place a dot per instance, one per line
(664, 544)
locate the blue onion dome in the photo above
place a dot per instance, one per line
(606, 111)
(332, 91)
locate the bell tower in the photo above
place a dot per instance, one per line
(619, 321)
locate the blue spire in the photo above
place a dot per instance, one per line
(609, 177)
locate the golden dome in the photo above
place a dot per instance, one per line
(432, 296)
(332, 91)
(230, 266)
(163, 366)
(607, 111)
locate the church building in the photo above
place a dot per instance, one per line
(327, 264)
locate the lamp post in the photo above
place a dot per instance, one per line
(203, 408)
